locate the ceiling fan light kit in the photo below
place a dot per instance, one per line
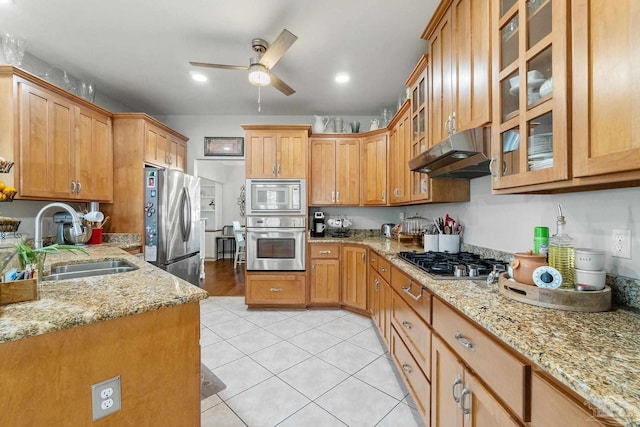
(259, 75)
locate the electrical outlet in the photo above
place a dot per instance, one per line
(105, 397)
(621, 243)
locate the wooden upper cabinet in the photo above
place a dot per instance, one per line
(65, 149)
(276, 151)
(164, 149)
(374, 169)
(460, 58)
(400, 145)
(335, 171)
(605, 87)
(94, 155)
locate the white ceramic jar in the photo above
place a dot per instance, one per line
(589, 259)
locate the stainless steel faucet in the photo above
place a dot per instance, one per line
(75, 221)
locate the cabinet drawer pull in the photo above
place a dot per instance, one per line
(407, 290)
(79, 187)
(406, 325)
(376, 283)
(407, 368)
(337, 197)
(278, 173)
(465, 401)
(364, 257)
(276, 289)
(464, 341)
(324, 252)
(273, 170)
(333, 196)
(456, 396)
(73, 187)
(384, 195)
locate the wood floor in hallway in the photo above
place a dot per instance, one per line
(222, 280)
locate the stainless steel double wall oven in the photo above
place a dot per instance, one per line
(276, 224)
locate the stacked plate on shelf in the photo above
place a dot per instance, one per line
(540, 151)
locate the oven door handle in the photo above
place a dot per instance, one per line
(271, 230)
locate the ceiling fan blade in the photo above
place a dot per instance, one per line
(278, 48)
(280, 85)
(223, 66)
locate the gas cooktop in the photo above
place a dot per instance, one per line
(444, 265)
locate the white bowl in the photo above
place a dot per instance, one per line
(593, 279)
(547, 87)
(589, 259)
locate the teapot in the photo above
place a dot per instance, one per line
(320, 124)
(374, 124)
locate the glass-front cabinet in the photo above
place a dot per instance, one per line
(418, 84)
(530, 115)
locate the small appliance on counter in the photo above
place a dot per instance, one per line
(318, 226)
(385, 230)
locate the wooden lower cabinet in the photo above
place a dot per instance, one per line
(550, 407)
(354, 277)
(324, 287)
(458, 398)
(415, 379)
(275, 289)
(482, 354)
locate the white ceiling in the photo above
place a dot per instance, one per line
(138, 51)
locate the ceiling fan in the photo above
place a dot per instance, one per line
(260, 65)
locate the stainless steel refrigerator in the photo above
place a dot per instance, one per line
(172, 222)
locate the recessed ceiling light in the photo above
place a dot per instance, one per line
(2, 2)
(199, 77)
(342, 78)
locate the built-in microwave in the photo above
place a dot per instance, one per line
(276, 197)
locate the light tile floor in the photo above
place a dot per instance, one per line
(299, 368)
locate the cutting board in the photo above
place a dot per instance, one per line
(559, 299)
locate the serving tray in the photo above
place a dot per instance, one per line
(559, 299)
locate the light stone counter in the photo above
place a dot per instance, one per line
(595, 354)
(69, 303)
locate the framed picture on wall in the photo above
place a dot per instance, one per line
(223, 146)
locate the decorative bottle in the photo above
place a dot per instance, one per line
(562, 253)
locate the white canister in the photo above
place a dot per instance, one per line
(449, 243)
(431, 242)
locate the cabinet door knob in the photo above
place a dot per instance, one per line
(406, 325)
(407, 368)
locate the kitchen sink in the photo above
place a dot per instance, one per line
(87, 269)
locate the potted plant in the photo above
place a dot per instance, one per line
(28, 255)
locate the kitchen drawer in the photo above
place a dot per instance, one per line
(413, 330)
(275, 289)
(415, 379)
(317, 250)
(373, 259)
(500, 370)
(384, 268)
(413, 293)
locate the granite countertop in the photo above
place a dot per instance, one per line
(69, 303)
(595, 354)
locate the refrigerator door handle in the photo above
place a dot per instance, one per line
(183, 223)
(188, 197)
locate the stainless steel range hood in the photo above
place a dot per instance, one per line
(463, 154)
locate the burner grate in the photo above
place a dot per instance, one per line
(441, 265)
